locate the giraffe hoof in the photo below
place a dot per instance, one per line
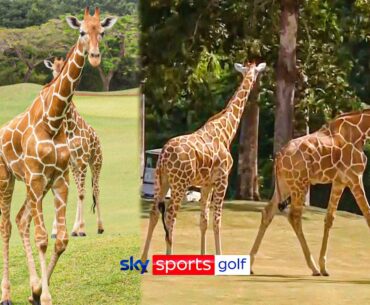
(324, 273)
(316, 273)
(6, 302)
(53, 236)
(252, 272)
(74, 234)
(82, 234)
(35, 300)
(100, 231)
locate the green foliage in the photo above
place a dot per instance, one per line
(25, 13)
(189, 47)
(22, 51)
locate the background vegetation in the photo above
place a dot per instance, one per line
(188, 49)
(31, 31)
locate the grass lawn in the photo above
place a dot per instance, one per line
(89, 272)
(281, 273)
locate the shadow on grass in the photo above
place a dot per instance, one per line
(188, 207)
(275, 278)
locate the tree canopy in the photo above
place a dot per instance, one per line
(22, 50)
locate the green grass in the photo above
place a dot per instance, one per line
(282, 277)
(89, 272)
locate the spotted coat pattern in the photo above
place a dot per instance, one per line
(334, 154)
(202, 159)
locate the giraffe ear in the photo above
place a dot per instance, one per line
(48, 64)
(73, 22)
(109, 22)
(240, 68)
(261, 67)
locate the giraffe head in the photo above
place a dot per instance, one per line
(55, 66)
(91, 32)
(250, 71)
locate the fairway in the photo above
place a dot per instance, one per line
(282, 277)
(89, 271)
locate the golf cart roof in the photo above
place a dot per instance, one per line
(156, 151)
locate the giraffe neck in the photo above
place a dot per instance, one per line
(57, 96)
(71, 119)
(225, 124)
(364, 124)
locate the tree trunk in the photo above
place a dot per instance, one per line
(27, 76)
(106, 79)
(286, 73)
(248, 185)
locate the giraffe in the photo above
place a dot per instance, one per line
(333, 154)
(85, 149)
(33, 149)
(201, 158)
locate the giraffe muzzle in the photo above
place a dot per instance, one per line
(94, 59)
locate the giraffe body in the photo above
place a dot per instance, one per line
(334, 154)
(33, 149)
(85, 150)
(203, 159)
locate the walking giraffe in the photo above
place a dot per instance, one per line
(334, 154)
(85, 149)
(202, 158)
(33, 149)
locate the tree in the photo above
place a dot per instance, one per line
(121, 43)
(25, 13)
(248, 181)
(22, 53)
(286, 73)
(33, 44)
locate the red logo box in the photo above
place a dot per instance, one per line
(183, 265)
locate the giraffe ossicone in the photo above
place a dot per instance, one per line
(34, 149)
(203, 159)
(86, 152)
(333, 154)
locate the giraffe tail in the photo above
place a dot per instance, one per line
(158, 196)
(94, 199)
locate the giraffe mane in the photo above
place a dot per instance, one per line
(217, 115)
(367, 111)
(70, 52)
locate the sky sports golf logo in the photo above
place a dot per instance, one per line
(192, 265)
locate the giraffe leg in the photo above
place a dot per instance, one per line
(159, 196)
(79, 175)
(358, 192)
(295, 219)
(6, 193)
(23, 220)
(336, 193)
(96, 195)
(204, 216)
(36, 190)
(177, 195)
(217, 202)
(267, 215)
(60, 190)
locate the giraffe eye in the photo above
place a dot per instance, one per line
(82, 33)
